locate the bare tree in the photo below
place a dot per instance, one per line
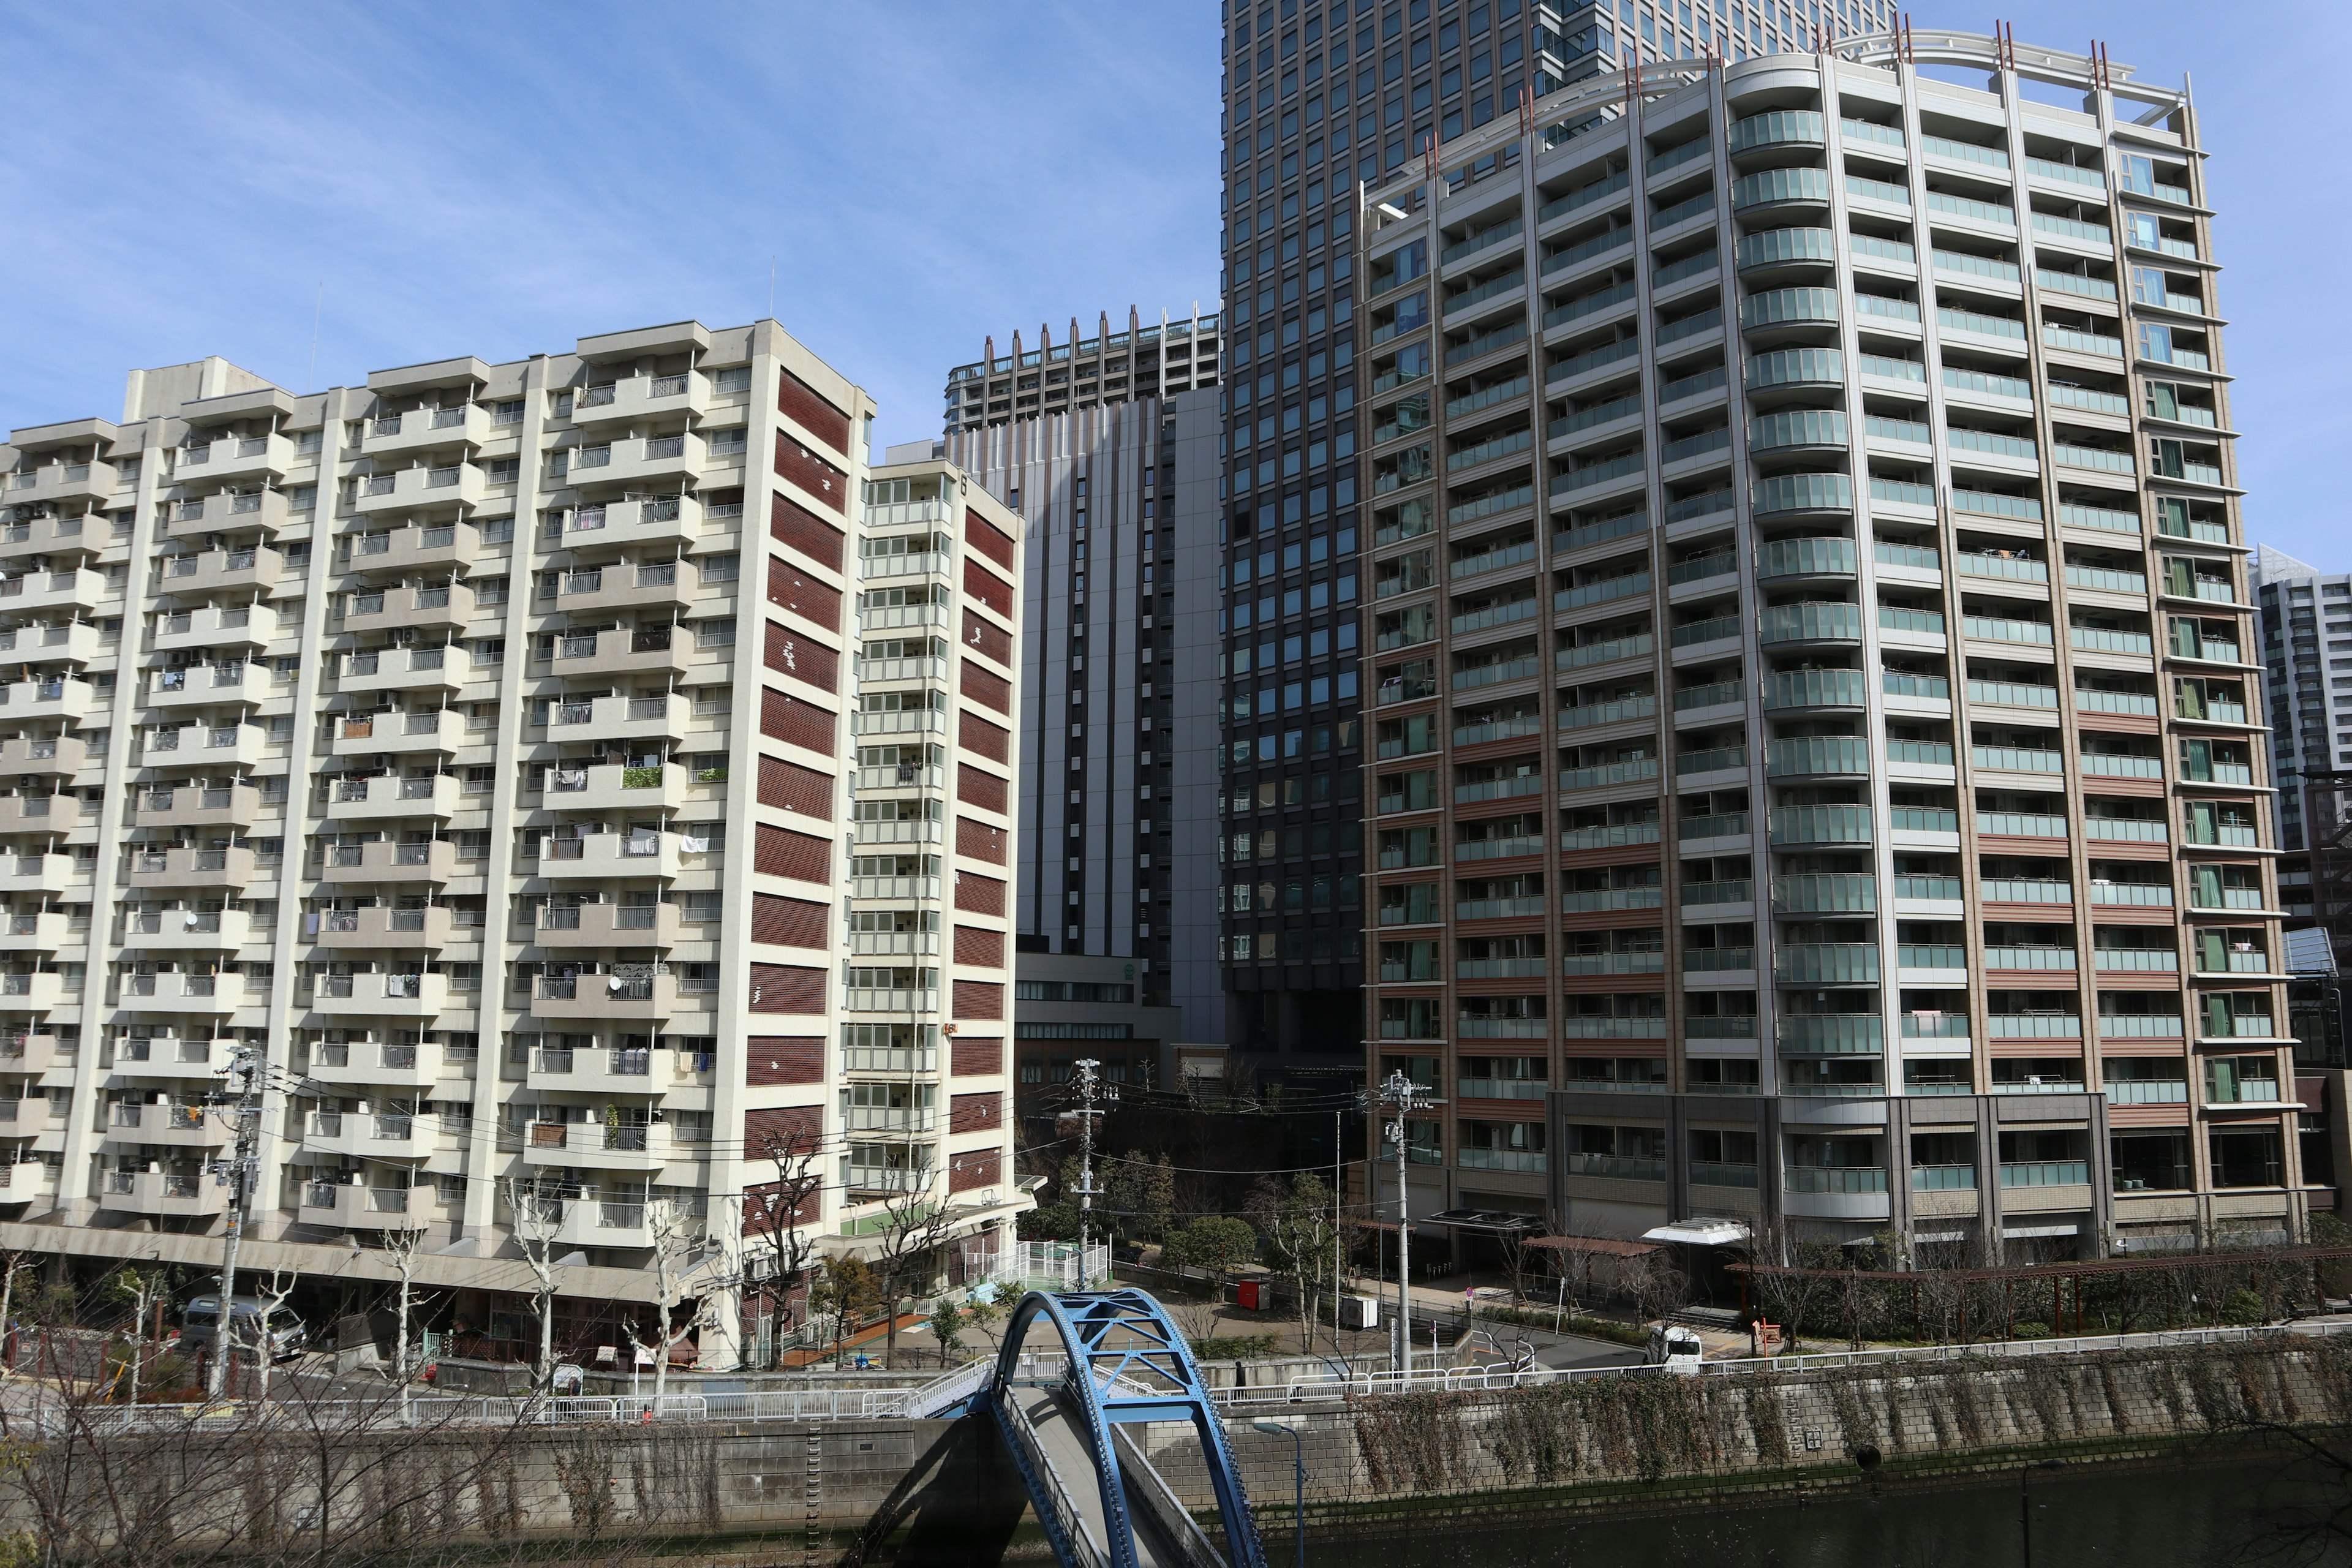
(142, 1287)
(915, 1224)
(402, 1247)
(537, 1219)
(271, 1297)
(1297, 1223)
(775, 1210)
(682, 1243)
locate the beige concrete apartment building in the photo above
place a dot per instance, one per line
(577, 778)
(1818, 767)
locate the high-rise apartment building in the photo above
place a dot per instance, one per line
(577, 778)
(2299, 607)
(1318, 97)
(1116, 474)
(1815, 746)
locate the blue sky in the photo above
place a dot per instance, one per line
(503, 179)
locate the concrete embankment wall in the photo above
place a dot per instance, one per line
(1613, 1441)
(917, 1492)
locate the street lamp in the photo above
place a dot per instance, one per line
(2024, 1507)
(1298, 1467)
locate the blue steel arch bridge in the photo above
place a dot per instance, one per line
(1115, 1360)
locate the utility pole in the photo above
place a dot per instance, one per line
(1404, 1097)
(243, 1081)
(1086, 1188)
(1338, 1227)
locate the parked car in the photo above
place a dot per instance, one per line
(287, 1335)
(1675, 1348)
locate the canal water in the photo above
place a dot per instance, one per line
(2169, 1517)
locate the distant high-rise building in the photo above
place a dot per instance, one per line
(1816, 747)
(1113, 463)
(2298, 607)
(576, 777)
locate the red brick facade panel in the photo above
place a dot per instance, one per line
(799, 402)
(788, 653)
(987, 685)
(781, 1058)
(976, 1058)
(808, 469)
(976, 1112)
(980, 787)
(987, 539)
(977, 1169)
(979, 895)
(787, 988)
(988, 588)
(976, 735)
(788, 787)
(786, 717)
(812, 601)
(978, 841)
(780, 852)
(984, 636)
(787, 923)
(978, 999)
(979, 947)
(796, 528)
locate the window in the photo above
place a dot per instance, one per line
(719, 568)
(734, 378)
(728, 442)
(717, 632)
(507, 412)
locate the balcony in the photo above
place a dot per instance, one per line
(602, 1222)
(170, 1058)
(381, 995)
(379, 1066)
(170, 1126)
(659, 462)
(56, 482)
(596, 1146)
(44, 536)
(604, 996)
(170, 995)
(161, 1194)
(24, 701)
(394, 863)
(435, 670)
(351, 1206)
(32, 1051)
(382, 926)
(572, 926)
(50, 874)
(228, 510)
(40, 593)
(606, 855)
(387, 799)
(625, 1070)
(220, 629)
(666, 586)
(368, 1135)
(31, 812)
(219, 870)
(421, 430)
(225, 458)
(673, 520)
(44, 932)
(610, 786)
(443, 609)
(440, 731)
(433, 551)
(416, 489)
(187, 931)
(78, 643)
(620, 718)
(647, 651)
(222, 570)
(236, 805)
(34, 992)
(204, 685)
(638, 399)
(200, 745)
(44, 757)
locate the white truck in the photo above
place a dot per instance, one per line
(1674, 1347)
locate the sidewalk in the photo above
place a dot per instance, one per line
(795, 1360)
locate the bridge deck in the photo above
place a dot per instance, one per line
(1063, 1440)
